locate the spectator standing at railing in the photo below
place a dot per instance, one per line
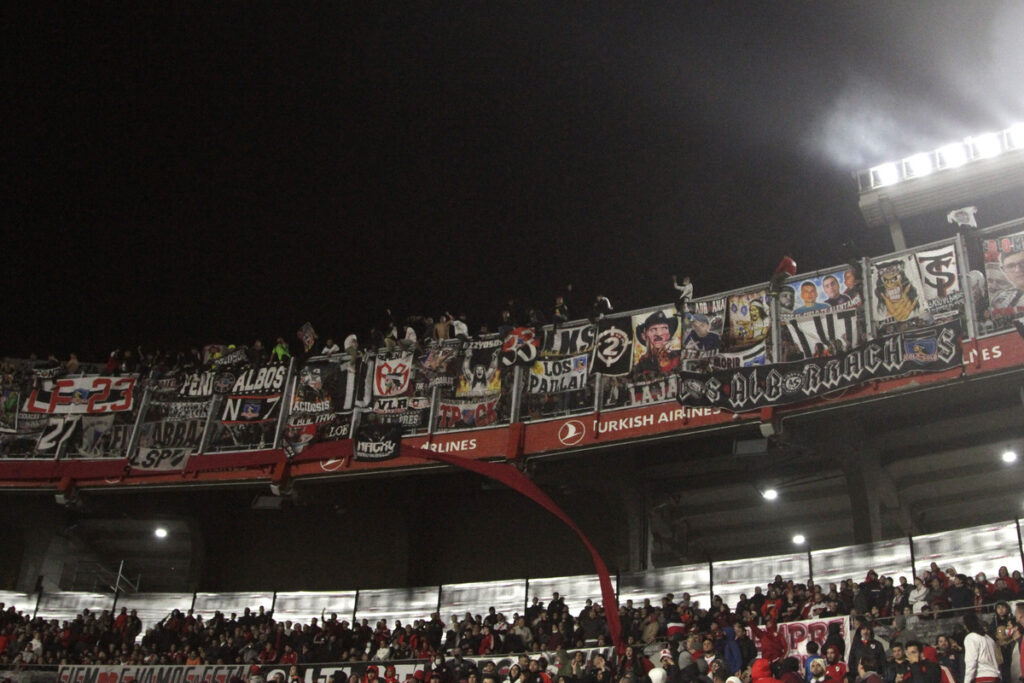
(330, 348)
(959, 595)
(919, 595)
(442, 328)
(280, 351)
(685, 293)
(561, 312)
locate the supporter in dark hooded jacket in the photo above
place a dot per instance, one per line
(748, 649)
(834, 638)
(865, 645)
(731, 651)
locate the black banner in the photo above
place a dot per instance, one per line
(375, 442)
(481, 371)
(520, 346)
(321, 406)
(613, 352)
(930, 349)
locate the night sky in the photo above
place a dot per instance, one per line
(219, 172)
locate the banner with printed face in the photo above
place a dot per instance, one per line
(916, 289)
(748, 320)
(820, 315)
(467, 413)
(247, 418)
(1004, 277)
(657, 342)
(481, 371)
(930, 349)
(702, 328)
(521, 346)
(321, 405)
(82, 395)
(438, 366)
(613, 350)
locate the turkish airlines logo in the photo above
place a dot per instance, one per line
(571, 432)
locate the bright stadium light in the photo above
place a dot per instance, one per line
(799, 539)
(1009, 456)
(1015, 136)
(919, 165)
(886, 174)
(985, 146)
(952, 156)
(160, 532)
(769, 494)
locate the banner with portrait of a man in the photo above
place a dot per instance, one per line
(1004, 275)
(657, 342)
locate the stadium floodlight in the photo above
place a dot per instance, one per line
(799, 539)
(918, 165)
(1009, 456)
(769, 494)
(1015, 136)
(160, 532)
(952, 156)
(985, 146)
(886, 174)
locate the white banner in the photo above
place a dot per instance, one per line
(150, 674)
(82, 395)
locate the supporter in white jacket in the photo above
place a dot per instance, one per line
(980, 660)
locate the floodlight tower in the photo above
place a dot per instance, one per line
(958, 173)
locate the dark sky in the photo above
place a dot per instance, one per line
(222, 171)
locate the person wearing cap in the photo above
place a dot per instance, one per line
(655, 335)
(700, 337)
(668, 663)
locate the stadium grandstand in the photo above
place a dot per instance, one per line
(829, 456)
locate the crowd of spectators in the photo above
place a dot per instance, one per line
(411, 332)
(691, 643)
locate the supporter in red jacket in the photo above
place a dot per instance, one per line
(761, 672)
(773, 643)
(835, 667)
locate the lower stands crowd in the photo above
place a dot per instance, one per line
(674, 642)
